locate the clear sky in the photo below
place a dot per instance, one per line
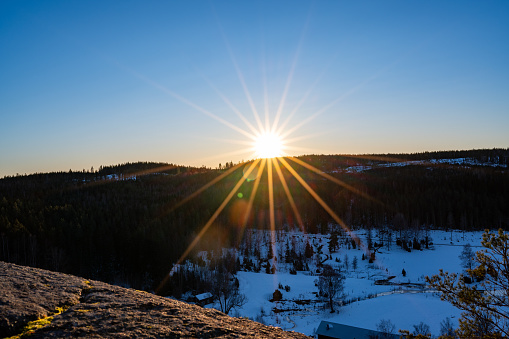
(89, 83)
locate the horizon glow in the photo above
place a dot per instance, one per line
(89, 84)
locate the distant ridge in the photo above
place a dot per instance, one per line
(494, 155)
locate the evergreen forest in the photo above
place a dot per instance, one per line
(128, 224)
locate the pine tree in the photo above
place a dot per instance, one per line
(267, 268)
(485, 306)
(270, 252)
(288, 253)
(333, 242)
(369, 239)
(308, 252)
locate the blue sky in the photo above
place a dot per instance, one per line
(89, 83)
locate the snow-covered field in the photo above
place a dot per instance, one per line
(368, 303)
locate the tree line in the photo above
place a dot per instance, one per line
(127, 224)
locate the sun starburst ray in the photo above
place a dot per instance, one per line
(304, 98)
(133, 175)
(246, 92)
(327, 107)
(265, 92)
(204, 111)
(240, 76)
(272, 218)
(234, 141)
(289, 196)
(299, 125)
(253, 194)
(305, 150)
(249, 206)
(332, 103)
(334, 180)
(190, 103)
(302, 137)
(294, 111)
(322, 203)
(248, 151)
(232, 107)
(285, 93)
(204, 187)
(216, 214)
(290, 77)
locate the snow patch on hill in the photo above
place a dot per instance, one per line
(467, 162)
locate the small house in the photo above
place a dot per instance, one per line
(204, 298)
(328, 330)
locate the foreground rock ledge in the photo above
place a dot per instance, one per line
(92, 309)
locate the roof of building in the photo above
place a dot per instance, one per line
(340, 331)
(204, 296)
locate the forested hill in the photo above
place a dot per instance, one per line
(127, 223)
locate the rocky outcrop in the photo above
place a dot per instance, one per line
(55, 305)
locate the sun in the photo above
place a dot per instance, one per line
(268, 145)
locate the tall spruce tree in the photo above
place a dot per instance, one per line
(333, 242)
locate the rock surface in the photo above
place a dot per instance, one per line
(77, 308)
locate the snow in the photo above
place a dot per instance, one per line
(456, 161)
(370, 303)
(203, 296)
(419, 264)
(404, 311)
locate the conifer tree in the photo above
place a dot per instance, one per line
(308, 251)
(485, 306)
(333, 242)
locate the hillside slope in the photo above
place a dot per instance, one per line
(128, 224)
(69, 306)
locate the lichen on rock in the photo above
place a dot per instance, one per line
(92, 309)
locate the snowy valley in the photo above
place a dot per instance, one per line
(391, 287)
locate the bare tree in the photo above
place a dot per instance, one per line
(386, 328)
(422, 329)
(330, 284)
(375, 248)
(447, 328)
(467, 257)
(226, 291)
